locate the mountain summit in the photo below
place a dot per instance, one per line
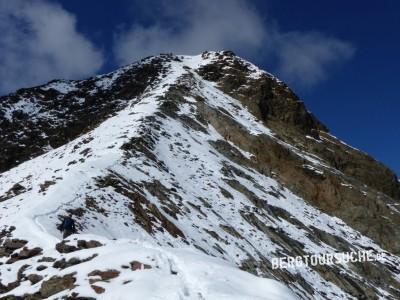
(187, 176)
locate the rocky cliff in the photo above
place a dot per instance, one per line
(203, 152)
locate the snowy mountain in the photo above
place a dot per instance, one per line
(187, 176)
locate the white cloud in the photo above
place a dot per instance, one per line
(39, 42)
(305, 57)
(190, 27)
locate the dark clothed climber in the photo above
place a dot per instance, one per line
(67, 227)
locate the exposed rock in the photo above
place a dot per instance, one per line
(45, 185)
(28, 253)
(56, 284)
(137, 265)
(6, 232)
(9, 287)
(25, 253)
(63, 247)
(15, 190)
(41, 267)
(12, 297)
(97, 289)
(34, 278)
(10, 245)
(327, 192)
(104, 275)
(13, 244)
(82, 244)
(75, 296)
(146, 214)
(62, 263)
(47, 259)
(91, 204)
(20, 273)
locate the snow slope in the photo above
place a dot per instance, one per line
(173, 274)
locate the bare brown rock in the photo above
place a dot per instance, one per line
(97, 289)
(63, 263)
(137, 265)
(34, 278)
(56, 284)
(82, 244)
(25, 253)
(10, 245)
(63, 247)
(104, 275)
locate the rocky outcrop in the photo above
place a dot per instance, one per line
(145, 213)
(56, 284)
(65, 247)
(366, 207)
(104, 275)
(137, 265)
(273, 102)
(267, 98)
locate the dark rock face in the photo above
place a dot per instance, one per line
(37, 119)
(275, 104)
(267, 98)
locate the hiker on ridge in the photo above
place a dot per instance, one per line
(67, 227)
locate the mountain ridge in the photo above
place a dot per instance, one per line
(209, 152)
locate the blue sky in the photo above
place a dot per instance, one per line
(341, 57)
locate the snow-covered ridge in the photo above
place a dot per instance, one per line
(36, 210)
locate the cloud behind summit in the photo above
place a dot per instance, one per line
(41, 40)
(190, 27)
